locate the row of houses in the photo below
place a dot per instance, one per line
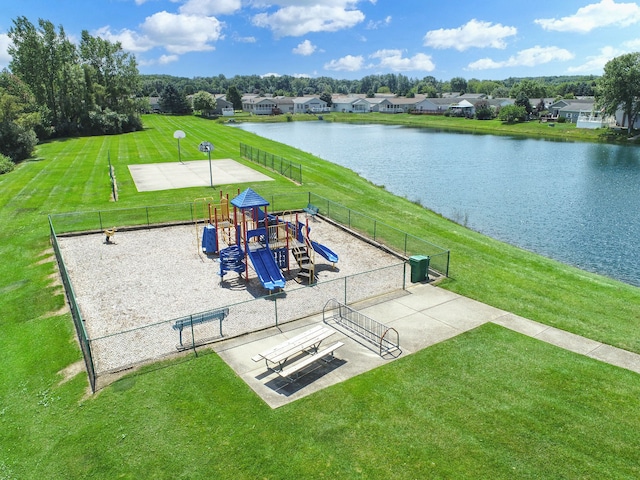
(580, 111)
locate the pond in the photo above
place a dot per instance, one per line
(578, 203)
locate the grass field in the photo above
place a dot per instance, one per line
(488, 404)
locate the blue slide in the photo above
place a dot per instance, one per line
(267, 269)
(325, 252)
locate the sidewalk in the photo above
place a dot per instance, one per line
(423, 315)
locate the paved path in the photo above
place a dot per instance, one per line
(423, 315)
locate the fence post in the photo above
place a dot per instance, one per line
(345, 290)
(100, 219)
(193, 336)
(148, 222)
(404, 276)
(275, 306)
(375, 229)
(405, 243)
(349, 218)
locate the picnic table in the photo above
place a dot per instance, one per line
(277, 358)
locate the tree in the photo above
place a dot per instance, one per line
(204, 102)
(458, 84)
(530, 88)
(619, 88)
(75, 85)
(483, 110)
(523, 101)
(512, 114)
(18, 119)
(233, 96)
(172, 101)
(326, 97)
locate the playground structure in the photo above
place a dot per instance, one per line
(250, 234)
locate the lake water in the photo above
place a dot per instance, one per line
(576, 202)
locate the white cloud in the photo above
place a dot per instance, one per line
(176, 33)
(305, 48)
(162, 60)
(5, 58)
(530, 57)
(301, 75)
(632, 45)
(131, 41)
(596, 15)
(265, 75)
(595, 64)
(240, 39)
(297, 20)
(211, 7)
(473, 34)
(166, 59)
(349, 63)
(393, 60)
(182, 33)
(374, 25)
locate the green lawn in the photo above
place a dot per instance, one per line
(488, 404)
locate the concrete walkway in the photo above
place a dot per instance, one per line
(423, 315)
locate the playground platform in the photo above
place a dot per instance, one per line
(423, 315)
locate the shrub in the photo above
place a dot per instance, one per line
(6, 165)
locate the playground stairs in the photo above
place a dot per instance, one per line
(307, 268)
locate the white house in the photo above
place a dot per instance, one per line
(433, 105)
(397, 105)
(309, 105)
(258, 105)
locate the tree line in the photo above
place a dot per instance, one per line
(398, 84)
(55, 88)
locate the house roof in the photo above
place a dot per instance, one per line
(304, 100)
(248, 199)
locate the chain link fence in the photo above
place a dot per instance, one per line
(116, 352)
(284, 167)
(395, 240)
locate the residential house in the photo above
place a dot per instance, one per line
(256, 105)
(309, 105)
(463, 108)
(397, 105)
(284, 104)
(223, 106)
(571, 108)
(433, 106)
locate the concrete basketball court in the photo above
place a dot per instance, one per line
(165, 176)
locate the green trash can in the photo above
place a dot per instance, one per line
(419, 268)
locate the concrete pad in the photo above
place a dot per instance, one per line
(351, 359)
(419, 331)
(167, 176)
(387, 312)
(464, 314)
(424, 296)
(422, 315)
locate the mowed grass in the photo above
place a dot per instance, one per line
(488, 404)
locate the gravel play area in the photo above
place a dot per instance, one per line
(130, 290)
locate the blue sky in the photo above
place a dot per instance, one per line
(490, 39)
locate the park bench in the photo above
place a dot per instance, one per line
(311, 210)
(197, 319)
